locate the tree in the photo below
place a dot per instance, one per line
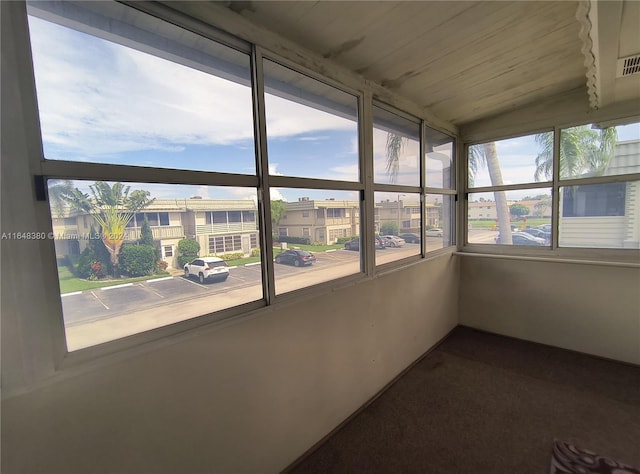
(542, 206)
(488, 154)
(146, 235)
(518, 210)
(187, 250)
(395, 145)
(112, 207)
(278, 209)
(389, 228)
(58, 192)
(583, 151)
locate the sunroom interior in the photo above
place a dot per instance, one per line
(225, 112)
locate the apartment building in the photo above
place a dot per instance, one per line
(219, 226)
(320, 221)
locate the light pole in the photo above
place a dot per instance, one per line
(399, 210)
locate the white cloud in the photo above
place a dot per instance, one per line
(99, 98)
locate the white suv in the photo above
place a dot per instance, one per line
(207, 269)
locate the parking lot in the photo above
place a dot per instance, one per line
(97, 304)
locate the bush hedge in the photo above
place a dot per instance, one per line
(294, 240)
(187, 250)
(137, 260)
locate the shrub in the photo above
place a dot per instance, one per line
(162, 266)
(231, 256)
(342, 240)
(187, 250)
(137, 260)
(389, 228)
(295, 240)
(255, 253)
(86, 259)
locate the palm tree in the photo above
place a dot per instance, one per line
(395, 145)
(583, 151)
(112, 207)
(487, 154)
(58, 191)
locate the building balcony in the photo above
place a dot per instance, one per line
(159, 232)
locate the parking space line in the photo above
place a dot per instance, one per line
(193, 282)
(99, 300)
(71, 294)
(159, 279)
(152, 290)
(115, 286)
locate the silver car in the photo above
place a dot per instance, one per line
(393, 241)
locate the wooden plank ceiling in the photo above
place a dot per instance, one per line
(461, 60)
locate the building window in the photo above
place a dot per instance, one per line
(305, 232)
(168, 251)
(305, 213)
(283, 232)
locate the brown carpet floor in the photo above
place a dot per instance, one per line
(482, 403)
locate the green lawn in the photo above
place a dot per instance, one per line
(70, 283)
(277, 250)
(490, 224)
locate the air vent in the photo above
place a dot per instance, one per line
(628, 66)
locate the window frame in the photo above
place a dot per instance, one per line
(43, 169)
(554, 251)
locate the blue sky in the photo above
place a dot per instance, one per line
(106, 103)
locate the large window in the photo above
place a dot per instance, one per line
(110, 85)
(594, 175)
(312, 138)
(184, 182)
(499, 214)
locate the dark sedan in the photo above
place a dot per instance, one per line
(411, 238)
(297, 258)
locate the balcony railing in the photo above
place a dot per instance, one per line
(159, 233)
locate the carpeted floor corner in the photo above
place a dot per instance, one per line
(482, 403)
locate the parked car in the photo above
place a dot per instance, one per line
(207, 269)
(296, 257)
(434, 233)
(392, 241)
(353, 244)
(411, 238)
(522, 238)
(542, 234)
(545, 227)
(381, 244)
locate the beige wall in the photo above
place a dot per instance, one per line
(250, 397)
(593, 309)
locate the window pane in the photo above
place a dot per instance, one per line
(332, 239)
(397, 215)
(512, 161)
(103, 302)
(312, 127)
(600, 215)
(126, 88)
(588, 150)
(396, 149)
(527, 213)
(439, 159)
(440, 215)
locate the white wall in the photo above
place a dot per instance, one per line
(250, 397)
(593, 309)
